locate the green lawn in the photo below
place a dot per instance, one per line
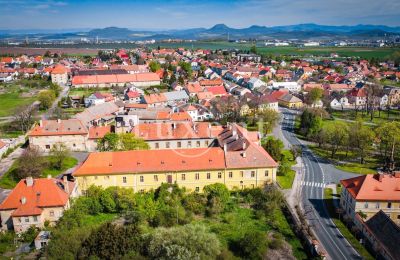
(348, 164)
(377, 119)
(286, 181)
(328, 198)
(9, 180)
(244, 221)
(11, 101)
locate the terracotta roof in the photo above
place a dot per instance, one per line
(135, 105)
(180, 116)
(171, 131)
(211, 82)
(155, 98)
(373, 187)
(96, 132)
(147, 161)
(43, 193)
(217, 90)
(205, 95)
(59, 127)
(194, 87)
(59, 69)
(2, 144)
(133, 94)
(115, 78)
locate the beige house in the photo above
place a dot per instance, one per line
(71, 133)
(368, 194)
(36, 201)
(59, 75)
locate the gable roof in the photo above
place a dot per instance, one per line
(386, 232)
(59, 127)
(147, 161)
(43, 193)
(373, 187)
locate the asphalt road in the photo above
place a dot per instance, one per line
(316, 174)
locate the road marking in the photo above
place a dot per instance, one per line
(313, 184)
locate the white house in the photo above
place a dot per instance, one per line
(255, 83)
(289, 85)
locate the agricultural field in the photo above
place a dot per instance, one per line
(13, 96)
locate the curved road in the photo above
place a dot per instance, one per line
(317, 174)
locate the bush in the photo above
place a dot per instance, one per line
(252, 245)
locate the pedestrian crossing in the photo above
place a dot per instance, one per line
(313, 184)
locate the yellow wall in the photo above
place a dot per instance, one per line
(291, 104)
(241, 178)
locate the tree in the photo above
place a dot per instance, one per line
(217, 195)
(314, 95)
(109, 142)
(388, 137)
(46, 98)
(361, 138)
(187, 68)
(274, 147)
(252, 245)
(24, 117)
(59, 152)
(183, 242)
(30, 164)
(269, 117)
(253, 49)
(111, 242)
(336, 136)
(127, 142)
(154, 66)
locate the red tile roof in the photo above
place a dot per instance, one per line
(115, 78)
(43, 193)
(59, 69)
(373, 187)
(171, 131)
(211, 82)
(148, 161)
(217, 90)
(96, 132)
(59, 127)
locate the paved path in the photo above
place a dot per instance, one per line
(313, 175)
(49, 112)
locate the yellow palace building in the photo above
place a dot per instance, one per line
(238, 162)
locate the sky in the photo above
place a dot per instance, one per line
(175, 14)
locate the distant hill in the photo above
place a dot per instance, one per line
(218, 31)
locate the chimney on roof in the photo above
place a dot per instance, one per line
(65, 183)
(29, 181)
(244, 154)
(41, 123)
(23, 200)
(173, 125)
(225, 147)
(59, 120)
(244, 145)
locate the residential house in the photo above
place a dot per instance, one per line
(133, 96)
(33, 202)
(102, 114)
(254, 83)
(371, 193)
(291, 86)
(290, 101)
(98, 98)
(59, 75)
(72, 133)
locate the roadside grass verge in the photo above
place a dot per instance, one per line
(348, 163)
(381, 118)
(10, 179)
(328, 200)
(286, 181)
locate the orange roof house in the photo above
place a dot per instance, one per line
(34, 201)
(59, 127)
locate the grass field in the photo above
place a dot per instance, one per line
(328, 198)
(286, 181)
(9, 180)
(9, 102)
(349, 163)
(91, 49)
(379, 118)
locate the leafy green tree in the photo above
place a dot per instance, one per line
(269, 117)
(111, 242)
(59, 152)
(30, 164)
(183, 242)
(109, 142)
(314, 95)
(253, 245)
(187, 67)
(217, 197)
(107, 200)
(336, 136)
(46, 99)
(253, 49)
(154, 66)
(361, 137)
(127, 142)
(388, 137)
(274, 147)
